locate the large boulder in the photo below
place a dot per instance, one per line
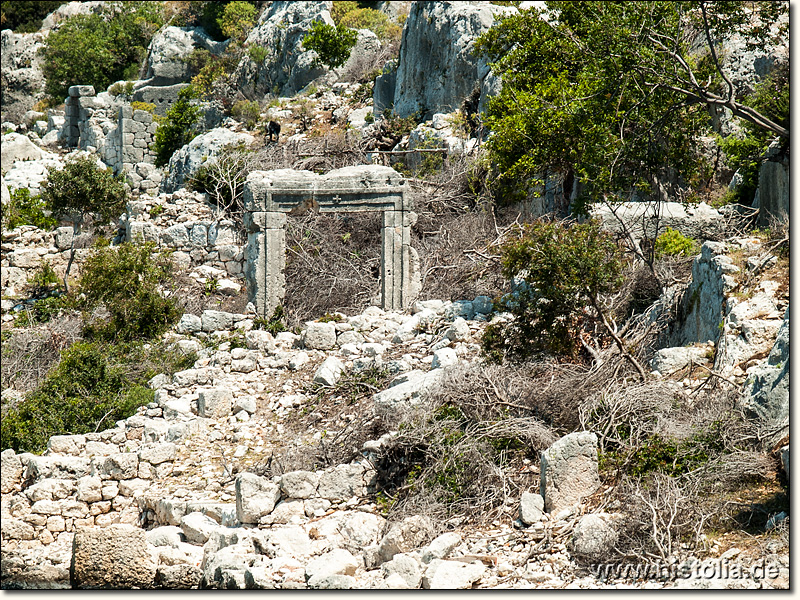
(650, 219)
(16, 147)
(766, 393)
(69, 10)
(166, 56)
(255, 497)
(202, 150)
(437, 69)
(23, 81)
(288, 67)
(594, 537)
(113, 557)
(569, 471)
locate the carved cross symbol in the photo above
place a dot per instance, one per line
(337, 198)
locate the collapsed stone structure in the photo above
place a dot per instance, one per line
(270, 196)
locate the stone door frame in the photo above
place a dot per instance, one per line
(271, 196)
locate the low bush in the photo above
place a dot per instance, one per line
(559, 270)
(27, 209)
(674, 243)
(178, 129)
(93, 385)
(126, 282)
(247, 112)
(374, 20)
(237, 20)
(85, 392)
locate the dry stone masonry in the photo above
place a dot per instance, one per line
(272, 195)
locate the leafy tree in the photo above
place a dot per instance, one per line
(126, 280)
(178, 129)
(79, 189)
(613, 92)
(24, 16)
(99, 49)
(561, 269)
(332, 44)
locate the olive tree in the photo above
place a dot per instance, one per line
(80, 189)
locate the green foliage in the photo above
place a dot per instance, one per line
(43, 311)
(258, 54)
(562, 269)
(596, 91)
(43, 280)
(274, 324)
(23, 16)
(743, 151)
(664, 455)
(94, 385)
(178, 128)
(145, 106)
(25, 209)
(246, 111)
(331, 318)
(99, 49)
(374, 20)
(122, 89)
(81, 187)
(237, 20)
(156, 210)
(85, 392)
(674, 243)
(126, 281)
(332, 44)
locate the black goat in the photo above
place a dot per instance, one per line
(273, 128)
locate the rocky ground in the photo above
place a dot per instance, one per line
(259, 466)
(173, 490)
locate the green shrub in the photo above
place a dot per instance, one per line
(26, 17)
(145, 106)
(126, 281)
(81, 187)
(94, 385)
(258, 54)
(560, 269)
(674, 243)
(178, 128)
(43, 311)
(237, 20)
(99, 49)
(43, 280)
(246, 111)
(332, 44)
(25, 209)
(274, 324)
(84, 393)
(122, 89)
(374, 20)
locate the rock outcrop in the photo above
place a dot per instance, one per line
(22, 77)
(288, 67)
(166, 56)
(437, 70)
(201, 150)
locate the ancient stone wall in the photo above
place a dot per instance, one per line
(122, 136)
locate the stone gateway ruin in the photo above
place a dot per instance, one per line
(270, 196)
